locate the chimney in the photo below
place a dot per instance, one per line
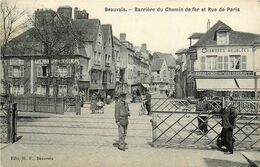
(143, 47)
(78, 14)
(122, 36)
(65, 12)
(208, 25)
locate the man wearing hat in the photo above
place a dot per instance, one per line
(229, 115)
(121, 118)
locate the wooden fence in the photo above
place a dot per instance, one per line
(48, 104)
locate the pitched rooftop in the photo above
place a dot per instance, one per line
(235, 37)
(157, 64)
(168, 57)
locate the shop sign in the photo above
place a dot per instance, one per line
(225, 50)
(223, 73)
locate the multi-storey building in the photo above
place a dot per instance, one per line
(160, 75)
(171, 63)
(225, 61)
(88, 67)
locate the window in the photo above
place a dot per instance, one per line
(235, 62)
(243, 63)
(225, 62)
(99, 57)
(41, 90)
(81, 72)
(164, 75)
(16, 71)
(220, 64)
(42, 71)
(222, 38)
(95, 57)
(64, 71)
(17, 89)
(211, 62)
(203, 62)
(63, 90)
(51, 90)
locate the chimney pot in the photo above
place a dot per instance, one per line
(122, 36)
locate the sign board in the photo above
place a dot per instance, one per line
(223, 73)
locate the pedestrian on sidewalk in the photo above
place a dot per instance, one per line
(93, 105)
(121, 117)
(228, 114)
(148, 99)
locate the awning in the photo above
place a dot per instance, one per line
(84, 84)
(226, 84)
(248, 84)
(216, 84)
(146, 85)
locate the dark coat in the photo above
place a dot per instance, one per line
(148, 98)
(121, 112)
(229, 115)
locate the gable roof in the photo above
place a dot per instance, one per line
(180, 51)
(25, 43)
(235, 37)
(87, 29)
(168, 57)
(196, 35)
(157, 64)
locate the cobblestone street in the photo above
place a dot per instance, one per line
(87, 140)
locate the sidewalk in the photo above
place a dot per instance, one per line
(87, 140)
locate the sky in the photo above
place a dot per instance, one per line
(161, 31)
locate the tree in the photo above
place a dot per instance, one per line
(11, 23)
(55, 37)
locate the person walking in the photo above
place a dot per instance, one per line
(202, 105)
(228, 115)
(121, 118)
(148, 99)
(93, 105)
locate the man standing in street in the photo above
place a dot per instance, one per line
(229, 115)
(148, 99)
(202, 106)
(121, 118)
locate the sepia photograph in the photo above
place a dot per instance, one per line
(133, 83)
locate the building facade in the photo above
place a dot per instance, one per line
(224, 62)
(171, 64)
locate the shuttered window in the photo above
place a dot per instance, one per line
(203, 62)
(225, 62)
(244, 62)
(220, 63)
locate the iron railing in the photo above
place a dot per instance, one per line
(175, 123)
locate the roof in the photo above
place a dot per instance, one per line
(87, 29)
(157, 64)
(180, 51)
(168, 57)
(196, 35)
(235, 37)
(116, 41)
(106, 29)
(25, 43)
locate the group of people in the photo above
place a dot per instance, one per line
(97, 102)
(228, 115)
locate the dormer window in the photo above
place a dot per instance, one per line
(222, 38)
